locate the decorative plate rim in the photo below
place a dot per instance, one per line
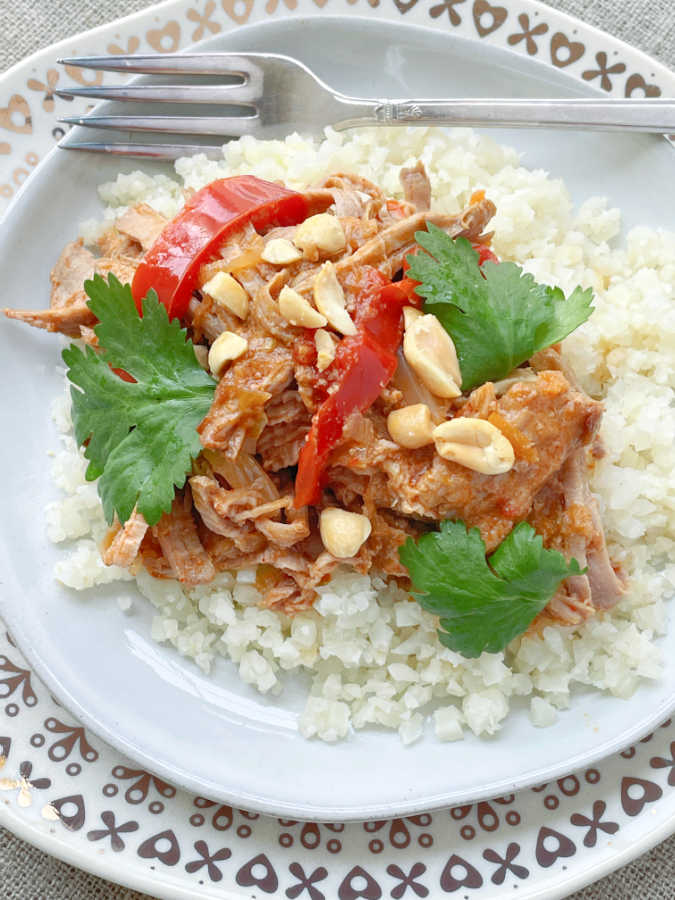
(166, 4)
(187, 781)
(138, 881)
(133, 876)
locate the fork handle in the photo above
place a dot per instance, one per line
(655, 115)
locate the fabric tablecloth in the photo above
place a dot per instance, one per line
(27, 26)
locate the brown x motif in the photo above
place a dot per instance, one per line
(603, 71)
(52, 78)
(449, 7)
(528, 34)
(203, 21)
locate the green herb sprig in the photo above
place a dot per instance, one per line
(496, 314)
(483, 603)
(141, 435)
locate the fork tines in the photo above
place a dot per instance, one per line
(238, 96)
(241, 64)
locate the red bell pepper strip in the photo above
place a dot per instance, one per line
(483, 251)
(484, 254)
(124, 375)
(171, 266)
(364, 363)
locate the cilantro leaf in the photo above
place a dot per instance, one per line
(483, 604)
(141, 435)
(496, 321)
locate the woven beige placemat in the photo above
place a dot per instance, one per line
(28, 25)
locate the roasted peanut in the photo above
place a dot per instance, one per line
(432, 356)
(411, 426)
(325, 349)
(280, 252)
(343, 533)
(474, 443)
(227, 292)
(322, 233)
(297, 310)
(330, 300)
(410, 315)
(224, 349)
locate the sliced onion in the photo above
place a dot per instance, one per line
(242, 472)
(246, 259)
(358, 429)
(414, 391)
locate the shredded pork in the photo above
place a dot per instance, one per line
(122, 543)
(416, 186)
(177, 535)
(237, 508)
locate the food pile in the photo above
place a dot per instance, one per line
(291, 395)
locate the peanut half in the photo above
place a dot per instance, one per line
(329, 299)
(342, 532)
(280, 252)
(322, 233)
(325, 349)
(227, 292)
(226, 347)
(297, 310)
(410, 315)
(411, 426)
(432, 356)
(475, 444)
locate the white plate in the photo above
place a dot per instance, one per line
(213, 735)
(101, 787)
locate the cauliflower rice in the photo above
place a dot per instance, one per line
(372, 652)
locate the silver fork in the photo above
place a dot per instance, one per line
(275, 94)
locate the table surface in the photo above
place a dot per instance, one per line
(25, 872)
